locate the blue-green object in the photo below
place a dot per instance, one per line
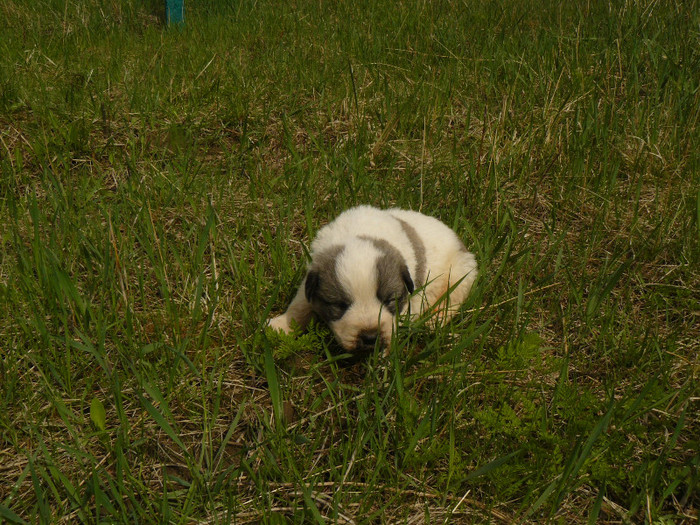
(175, 11)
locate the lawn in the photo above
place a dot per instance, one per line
(159, 188)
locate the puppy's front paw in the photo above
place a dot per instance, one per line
(280, 323)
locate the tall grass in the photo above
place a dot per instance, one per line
(158, 191)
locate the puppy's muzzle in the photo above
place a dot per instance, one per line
(366, 340)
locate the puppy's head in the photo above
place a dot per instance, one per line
(358, 288)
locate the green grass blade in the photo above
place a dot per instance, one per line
(311, 505)
(274, 386)
(163, 423)
(492, 465)
(597, 505)
(98, 414)
(11, 517)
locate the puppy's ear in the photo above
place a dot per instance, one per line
(406, 276)
(312, 282)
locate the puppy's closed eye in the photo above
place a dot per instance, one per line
(329, 309)
(390, 302)
(336, 310)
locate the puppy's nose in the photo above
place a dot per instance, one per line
(368, 339)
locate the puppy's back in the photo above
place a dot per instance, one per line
(356, 222)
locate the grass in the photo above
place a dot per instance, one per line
(158, 190)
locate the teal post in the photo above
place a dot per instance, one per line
(175, 11)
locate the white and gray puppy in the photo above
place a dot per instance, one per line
(365, 266)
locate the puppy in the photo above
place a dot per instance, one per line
(365, 267)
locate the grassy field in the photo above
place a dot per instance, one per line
(158, 192)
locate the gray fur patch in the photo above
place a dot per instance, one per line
(394, 281)
(323, 289)
(418, 250)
